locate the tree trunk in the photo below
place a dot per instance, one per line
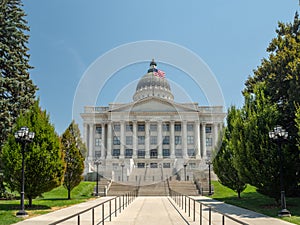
(69, 193)
(239, 194)
(30, 201)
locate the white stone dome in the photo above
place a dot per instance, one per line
(153, 85)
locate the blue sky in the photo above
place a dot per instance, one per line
(67, 36)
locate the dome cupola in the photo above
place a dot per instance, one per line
(153, 83)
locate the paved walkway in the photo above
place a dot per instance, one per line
(156, 210)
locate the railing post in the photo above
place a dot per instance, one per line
(200, 213)
(78, 219)
(123, 201)
(189, 207)
(109, 210)
(116, 209)
(194, 215)
(120, 206)
(93, 216)
(103, 214)
(223, 219)
(182, 202)
(185, 204)
(209, 217)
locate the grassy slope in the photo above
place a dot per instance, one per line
(252, 200)
(55, 199)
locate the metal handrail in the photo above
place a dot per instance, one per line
(124, 200)
(181, 200)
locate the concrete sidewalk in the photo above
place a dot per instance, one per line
(156, 210)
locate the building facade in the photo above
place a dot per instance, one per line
(151, 137)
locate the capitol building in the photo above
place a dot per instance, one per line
(153, 137)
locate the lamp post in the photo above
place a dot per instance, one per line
(184, 165)
(122, 165)
(279, 135)
(208, 162)
(97, 163)
(23, 136)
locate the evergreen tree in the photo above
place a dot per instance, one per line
(280, 75)
(44, 165)
(256, 157)
(223, 162)
(17, 91)
(73, 148)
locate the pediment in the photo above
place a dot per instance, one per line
(154, 105)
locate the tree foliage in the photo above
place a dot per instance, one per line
(223, 162)
(17, 91)
(44, 165)
(73, 149)
(279, 73)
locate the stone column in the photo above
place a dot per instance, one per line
(216, 132)
(203, 134)
(172, 139)
(103, 141)
(122, 139)
(147, 139)
(109, 140)
(91, 141)
(159, 138)
(134, 139)
(197, 139)
(184, 139)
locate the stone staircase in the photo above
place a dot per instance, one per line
(184, 187)
(120, 189)
(156, 189)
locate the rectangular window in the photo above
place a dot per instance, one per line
(208, 129)
(153, 140)
(177, 140)
(129, 127)
(128, 153)
(116, 140)
(117, 127)
(98, 130)
(141, 153)
(166, 127)
(128, 140)
(177, 127)
(190, 139)
(166, 140)
(208, 141)
(190, 127)
(192, 165)
(178, 153)
(153, 127)
(141, 127)
(97, 154)
(98, 142)
(191, 152)
(116, 153)
(166, 153)
(141, 140)
(166, 165)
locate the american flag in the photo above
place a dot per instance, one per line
(159, 73)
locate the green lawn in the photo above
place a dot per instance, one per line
(254, 201)
(55, 199)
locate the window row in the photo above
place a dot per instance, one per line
(153, 140)
(153, 127)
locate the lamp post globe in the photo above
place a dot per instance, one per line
(279, 135)
(23, 136)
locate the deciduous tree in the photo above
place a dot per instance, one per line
(73, 148)
(44, 164)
